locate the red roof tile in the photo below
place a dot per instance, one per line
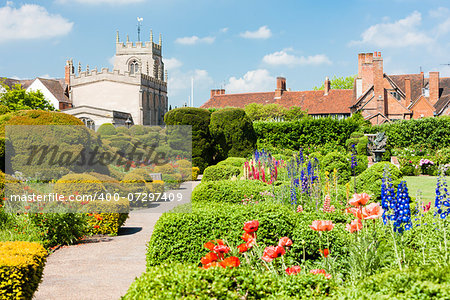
(336, 102)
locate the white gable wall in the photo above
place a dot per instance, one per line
(37, 85)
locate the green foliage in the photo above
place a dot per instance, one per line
(107, 129)
(339, 83)
(180, 236)
(228, 191)
(123, 130)
(233, 133)
(188, 281)
(4, 109)
(369, 181)
(222, 172)
(428, 132)
(83, 184)
(199, 119)
(416, 283)
(144, 173)
(296, 134)
(17, 98)
(233, 161)
(338, 161)
(112, 215)
(21, 268)
(274, 111)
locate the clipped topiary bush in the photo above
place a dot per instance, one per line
(369, 181)
(144, 173)
(123, 130)
(180, 236)
(112, 215)
(21, 267)
(82, 184)
(199, 119)
(195, 173)
(233, 161)
(233, 133)
(183, 281)
(340, 162)
(107, 129)
(137, 130)
(220, 172)
(228, 191)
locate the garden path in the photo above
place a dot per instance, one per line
(104, 267)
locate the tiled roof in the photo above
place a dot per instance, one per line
(25, 83)
(444, 94)
(417, 83)
(336, 102)
(55, 87)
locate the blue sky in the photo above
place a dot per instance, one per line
(237, 45)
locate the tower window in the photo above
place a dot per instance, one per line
(134, 67)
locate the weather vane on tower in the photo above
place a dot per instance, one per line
(139, 27)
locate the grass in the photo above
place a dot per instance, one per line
(426, 184)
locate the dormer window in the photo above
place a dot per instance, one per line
(395, 95)
(134, 67)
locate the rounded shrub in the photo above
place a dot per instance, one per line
(83, 184)
(233, 133)
(106, 129)
(340, 162)
(233, 161)
(369, 181)
(144, 173)
(228, 191)
(220, 172)
(180, 236)
(199, 119)
(134, 182)
(183, 163)
(137, 130)
(123, 130)
(165, 169)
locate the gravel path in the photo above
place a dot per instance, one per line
(103, 267)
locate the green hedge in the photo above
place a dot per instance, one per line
(199, 119)
(428, 132)
(180, 236)
(295, 134)
(228, 191)
(21, 267)
(421, 283)
(233, 133)
(186, 281)
(220, 172)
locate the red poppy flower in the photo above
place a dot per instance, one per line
(251, 226)
(272, 252)
(209, 258)
(320, 225)
(372, 211)
(210, 265)
(285, 242)
(221, 249)
(243, 248)
(320, 271)
(355, 225)
(27, 207)
(325, 252)
(96, 227)
(293, 270)
(248, 237)
(210, 245)
(231, 262)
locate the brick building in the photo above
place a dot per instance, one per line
(327, 102)
(382, 98)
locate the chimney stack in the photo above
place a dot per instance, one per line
(281, 87)
(68, 72)
(378, 82)
(327, 86)
(433, 86)
(408, 91)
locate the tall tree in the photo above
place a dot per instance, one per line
(339, 83)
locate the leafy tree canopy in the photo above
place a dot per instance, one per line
(270, 112)
(16, 98)
(339, 83)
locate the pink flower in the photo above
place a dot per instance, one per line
(372, 211)
(285, 242)
(355, 225)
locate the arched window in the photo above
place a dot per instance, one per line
(89, 123)
(134, 67)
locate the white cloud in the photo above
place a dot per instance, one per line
(30, 21)
(443, 28)
(46, 76)
(113, 2)
(402, 33)
(224, 30)
(439, 12)
(283, 57)
(111, 60)
(192, 40)
(253, 81)
(262, 33)
(172, 63)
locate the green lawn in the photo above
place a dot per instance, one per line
(426, 184)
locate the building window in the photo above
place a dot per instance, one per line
(134, 67)
(395, 95)
(89, 123)
(426, 92)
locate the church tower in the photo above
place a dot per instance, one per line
(139, 57)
